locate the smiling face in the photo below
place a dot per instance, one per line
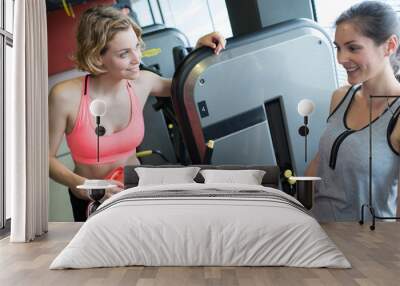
(122, 56)
(362, 58)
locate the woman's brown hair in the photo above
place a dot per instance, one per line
(377, 21)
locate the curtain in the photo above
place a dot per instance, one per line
(27, 124)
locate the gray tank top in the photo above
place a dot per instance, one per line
(344, 163)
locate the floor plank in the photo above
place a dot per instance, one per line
(374, 255)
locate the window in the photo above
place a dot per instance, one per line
(193, 18)
(144, 12)
(6, 60)
(328, 11)
(156, 10)
(196, 18)
(220, 18)
(8, 73)
(9, 13)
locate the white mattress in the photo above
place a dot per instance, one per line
(184, 230)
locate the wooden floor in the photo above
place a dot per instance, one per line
(374, 255)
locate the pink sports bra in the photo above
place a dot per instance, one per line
(82, 141)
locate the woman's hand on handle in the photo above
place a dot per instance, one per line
(213, 40)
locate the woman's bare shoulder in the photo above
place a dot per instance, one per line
(338, 96)
(62, 88)
(66, 94)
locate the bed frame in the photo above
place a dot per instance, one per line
(270, 179)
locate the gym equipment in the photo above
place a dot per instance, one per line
(161, 128)
(245, 98)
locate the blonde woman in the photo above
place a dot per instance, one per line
(109, 48)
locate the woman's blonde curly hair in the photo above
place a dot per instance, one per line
(97, 27)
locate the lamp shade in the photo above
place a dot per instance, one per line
(98, 107)
(305, 107)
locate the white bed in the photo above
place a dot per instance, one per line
(201, 224)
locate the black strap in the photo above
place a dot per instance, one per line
(335, 147)
(86, 84)
(391, 125)
(341, 102)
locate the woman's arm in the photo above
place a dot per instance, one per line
(395, 140)
(160, 86)
(312, 167)
(133, 160)
(59, 104)
(398, 198)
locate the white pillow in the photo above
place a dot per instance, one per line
(162, 176)
(248, 177)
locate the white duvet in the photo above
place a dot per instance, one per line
(214, 230)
